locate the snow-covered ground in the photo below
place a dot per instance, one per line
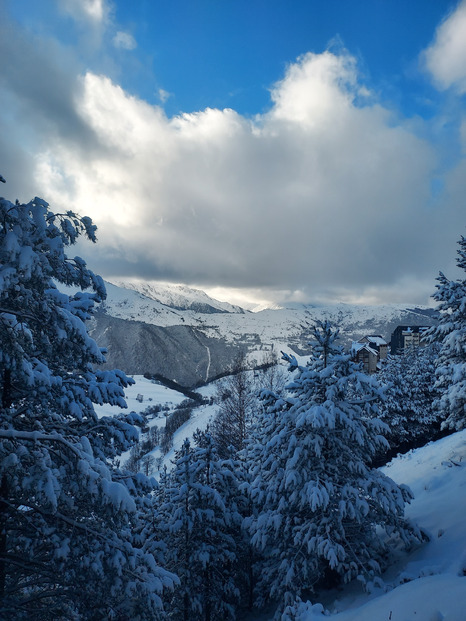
(200, 419)
(151, 392)
(428, 584)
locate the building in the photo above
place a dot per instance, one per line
(369, 351)
(365, 354)
(405, 337)
(377, 342)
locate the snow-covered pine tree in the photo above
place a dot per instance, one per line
(451, 333)
(201, 548)
(322, 512)
(247, 555)
(409, 396)
(67, 548)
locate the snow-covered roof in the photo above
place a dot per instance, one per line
(378, 340)
(374, 338)
(356, 347)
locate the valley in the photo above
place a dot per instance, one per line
(183, 334)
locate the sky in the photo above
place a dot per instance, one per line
(262, 150)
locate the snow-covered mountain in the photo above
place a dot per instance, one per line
(179, 297)
(185, 335)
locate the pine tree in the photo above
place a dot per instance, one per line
(202, 544)
(248, 557)
(451, 334)
(67, 548)
(410, 393)
(321, 509)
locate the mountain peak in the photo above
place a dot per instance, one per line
(179, 297)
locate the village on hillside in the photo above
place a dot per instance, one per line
(373, 349)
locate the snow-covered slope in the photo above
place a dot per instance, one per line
(428, 584)
(179, 297)
(130, 304)
(145, 335)
(149, 393)
(144, 303)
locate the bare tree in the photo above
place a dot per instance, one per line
(273, 376)
(236, 397)
(148, 463)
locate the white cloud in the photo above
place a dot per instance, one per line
(124, 41)
(315, 89)
(93, 18)
(95, 11)
(325, 195)
(163, 95)
(317, 195)
(445, 58)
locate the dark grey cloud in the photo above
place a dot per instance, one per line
(41, 78)
(39, 87)
(326, 195)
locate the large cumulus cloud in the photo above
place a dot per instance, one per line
(327, 194)
(445, 57)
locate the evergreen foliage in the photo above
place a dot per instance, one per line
(68, 547)
(178, 417)
(322, 513)
(410, 393)
(201, 520)
(451, 333)
(81, 539)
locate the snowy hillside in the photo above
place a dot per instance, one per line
(145, 335)
(428, 584)
(149, 393)
(152, 394)
(179, 297)
(172, 305)
(131, 304)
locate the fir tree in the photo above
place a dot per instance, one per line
(67, 547)
(408, 407)
(321, 509)
(201, 533)
(451, 333)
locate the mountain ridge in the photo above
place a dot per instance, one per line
(179, 297)
(144, 335)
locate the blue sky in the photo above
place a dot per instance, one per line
(227, 54)
(213, 53)
(265, 150)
